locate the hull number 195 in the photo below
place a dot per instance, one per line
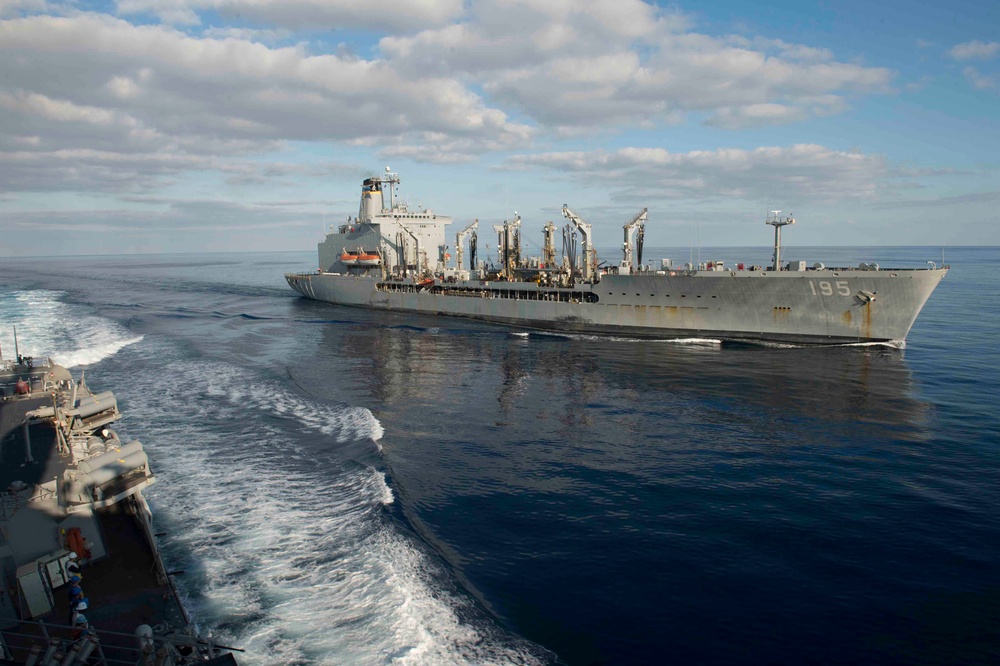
(825, 288)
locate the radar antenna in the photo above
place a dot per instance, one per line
(777, 222)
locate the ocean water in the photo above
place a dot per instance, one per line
(343, 486)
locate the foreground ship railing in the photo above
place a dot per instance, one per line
(73, 517)
(41, 644)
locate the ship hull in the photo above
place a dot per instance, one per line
(836, 306)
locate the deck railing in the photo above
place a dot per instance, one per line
(43, 644)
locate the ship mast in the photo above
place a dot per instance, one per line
(391, 179)
(777, 223)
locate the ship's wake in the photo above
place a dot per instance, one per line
(48, 327)
(289, 551)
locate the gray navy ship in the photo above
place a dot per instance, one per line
(393, 258)
(82, 579)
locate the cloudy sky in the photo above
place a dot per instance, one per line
(213, 125)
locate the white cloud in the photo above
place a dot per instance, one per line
(306, 14)
(163, 226)
(804, 172)
(754, 115)
(40, 106)
(977, 79)
(435, 147)
(974, 50)
(568, 66)
(246, 34)
(13, 7)
(113, 87)
(510, 34)
(202, 84)
(578, 64)
(90, 170)
(786, 50)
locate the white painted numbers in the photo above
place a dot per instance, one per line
(825, 288)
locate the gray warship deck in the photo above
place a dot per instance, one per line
(48, 455)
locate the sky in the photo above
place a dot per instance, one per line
(144, 126)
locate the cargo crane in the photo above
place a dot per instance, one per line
(586, 241)
(549, 249)
(416, 256)
(638, 222)
(509, 245)
(460, 240)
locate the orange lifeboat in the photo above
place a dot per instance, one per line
(360, 258)
(349, 258)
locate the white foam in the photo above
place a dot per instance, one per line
(240, 388)
(299, 552)
(705, 342)
(590, 337)
(92, 355)
(69, 334)
(379, 480)
(890, 344)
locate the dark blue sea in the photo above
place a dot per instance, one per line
(349, 487)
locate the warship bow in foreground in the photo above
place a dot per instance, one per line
(74, 527)
(394, 258)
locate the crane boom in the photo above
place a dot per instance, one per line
(415, 240)
(638, 221)
(586, 240)
(460, 238)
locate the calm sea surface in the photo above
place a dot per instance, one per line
(343, 486)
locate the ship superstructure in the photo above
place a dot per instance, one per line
(386, 235)
(569, 291)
